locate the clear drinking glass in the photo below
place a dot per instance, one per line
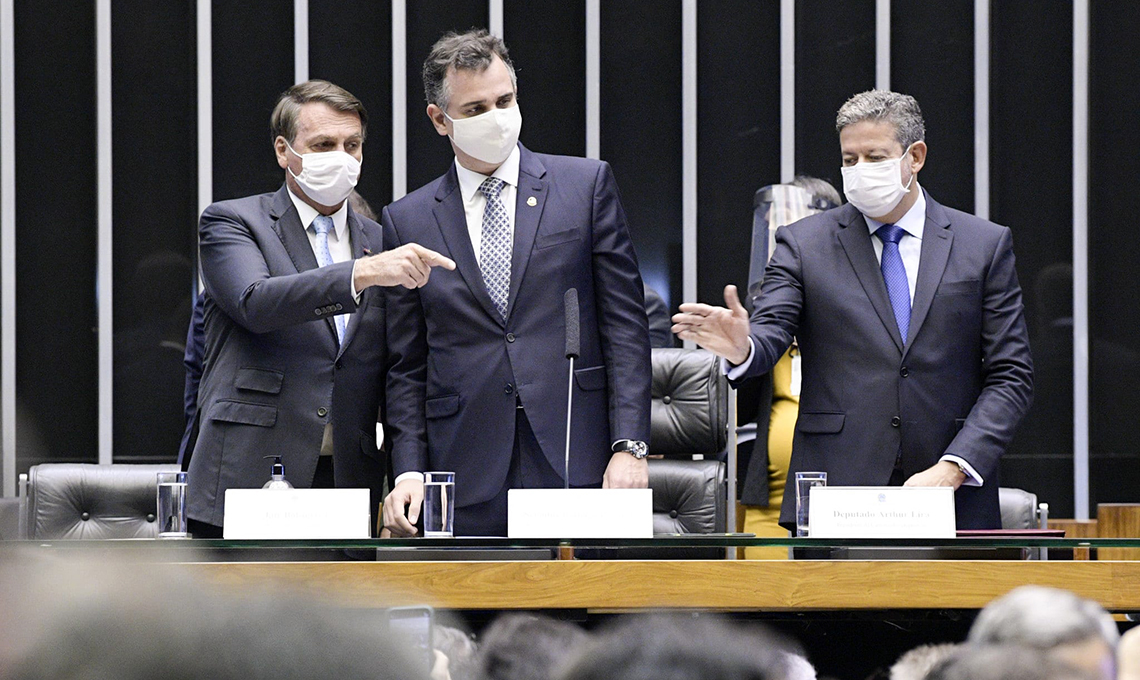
(172, 505)
(439, 504)
(804, 482)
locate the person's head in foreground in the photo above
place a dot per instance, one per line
(1005, 662)
(528, 647)
(1066, 626)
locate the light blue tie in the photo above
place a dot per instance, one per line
(322, 225)
(495, 250)
(894, 275)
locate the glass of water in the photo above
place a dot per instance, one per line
(439, 504)
(172, 505)
(804, 482)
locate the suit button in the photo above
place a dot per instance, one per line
(339, 363)
(904, 372)
(896, 421)
(510, 337)
(317, 311)
(322, 412)
(509, 389)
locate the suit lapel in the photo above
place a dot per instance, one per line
(936, 241)
(357, 239)
(452, 221)
(856, 241)
(529, 202)
(287, 224)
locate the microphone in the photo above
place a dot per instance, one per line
(570, 299)
(573, 346)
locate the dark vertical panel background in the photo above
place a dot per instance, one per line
(937, 69)
(350, 44)
(1031, 141)
(154, 148)
(253, 64)
(1114, 296)
(427, 20)
(738, 133)
(835, 58)
(641, 130)
(547, 42)
(56, 361)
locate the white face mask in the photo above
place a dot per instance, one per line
(876, 188)
(327, 177)
(489, 137)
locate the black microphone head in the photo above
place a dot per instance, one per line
(572, 322)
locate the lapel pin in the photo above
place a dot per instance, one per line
(532, 201)
(366, 251)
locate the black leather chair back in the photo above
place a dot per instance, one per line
(1018, 509)
(690, 404)
(77, 500)
(688, 496)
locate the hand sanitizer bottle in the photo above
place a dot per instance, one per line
(277, 475)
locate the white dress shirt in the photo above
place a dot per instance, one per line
(340, 243)
(474, 202)
(910, 249)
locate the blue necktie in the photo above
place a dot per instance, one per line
(894, 275)
(495, 249)
(322, 225)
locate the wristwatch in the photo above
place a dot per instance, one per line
(638, 450)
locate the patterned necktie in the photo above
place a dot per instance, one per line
(495, 251)
(894, 275)
(322, 225)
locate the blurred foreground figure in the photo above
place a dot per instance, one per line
(1070, 628)
(131, 621)
(1002, 662)
(528, 647)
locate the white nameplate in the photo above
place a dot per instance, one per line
(580, 513)
(882, 512)
(296, 514)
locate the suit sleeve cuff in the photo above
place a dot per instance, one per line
(972, 476)
(352, 284)
(737, 372)
(417, 476)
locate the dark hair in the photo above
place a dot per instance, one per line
(283, 122)
(649, 647)
(527, 647)
(471, 51)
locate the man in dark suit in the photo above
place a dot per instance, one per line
(478, 383)
(290, 300)
(926, 394)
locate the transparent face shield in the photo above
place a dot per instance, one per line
(775, 206)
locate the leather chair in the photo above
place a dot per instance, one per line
(689, 426)
(9, 518)
(1020, 509)
(77, 500)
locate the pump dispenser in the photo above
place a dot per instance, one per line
(277, 475)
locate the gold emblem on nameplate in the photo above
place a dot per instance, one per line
(532, 201)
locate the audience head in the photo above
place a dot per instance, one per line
(658, 647)
(83, 620)
(527, 647)
(460, 649)
(1071, 628)
(1004, 662)
(1128, 655)
(915, 664)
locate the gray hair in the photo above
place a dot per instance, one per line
(1043, 618)
(1005, 662)
(474, 50)
(283, 121)
(884, 106)
(915, 664)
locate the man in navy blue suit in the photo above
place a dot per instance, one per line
(909, 319)
(478, 378)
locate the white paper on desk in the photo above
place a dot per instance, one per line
(882, 512)
(296, 514)
(580, 513)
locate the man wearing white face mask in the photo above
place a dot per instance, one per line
(479, 372)
(293, 309)
(909, 319)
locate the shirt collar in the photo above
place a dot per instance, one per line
(308, 213)
(470, 181)
(913, 222)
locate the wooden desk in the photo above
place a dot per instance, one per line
(718, 585)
